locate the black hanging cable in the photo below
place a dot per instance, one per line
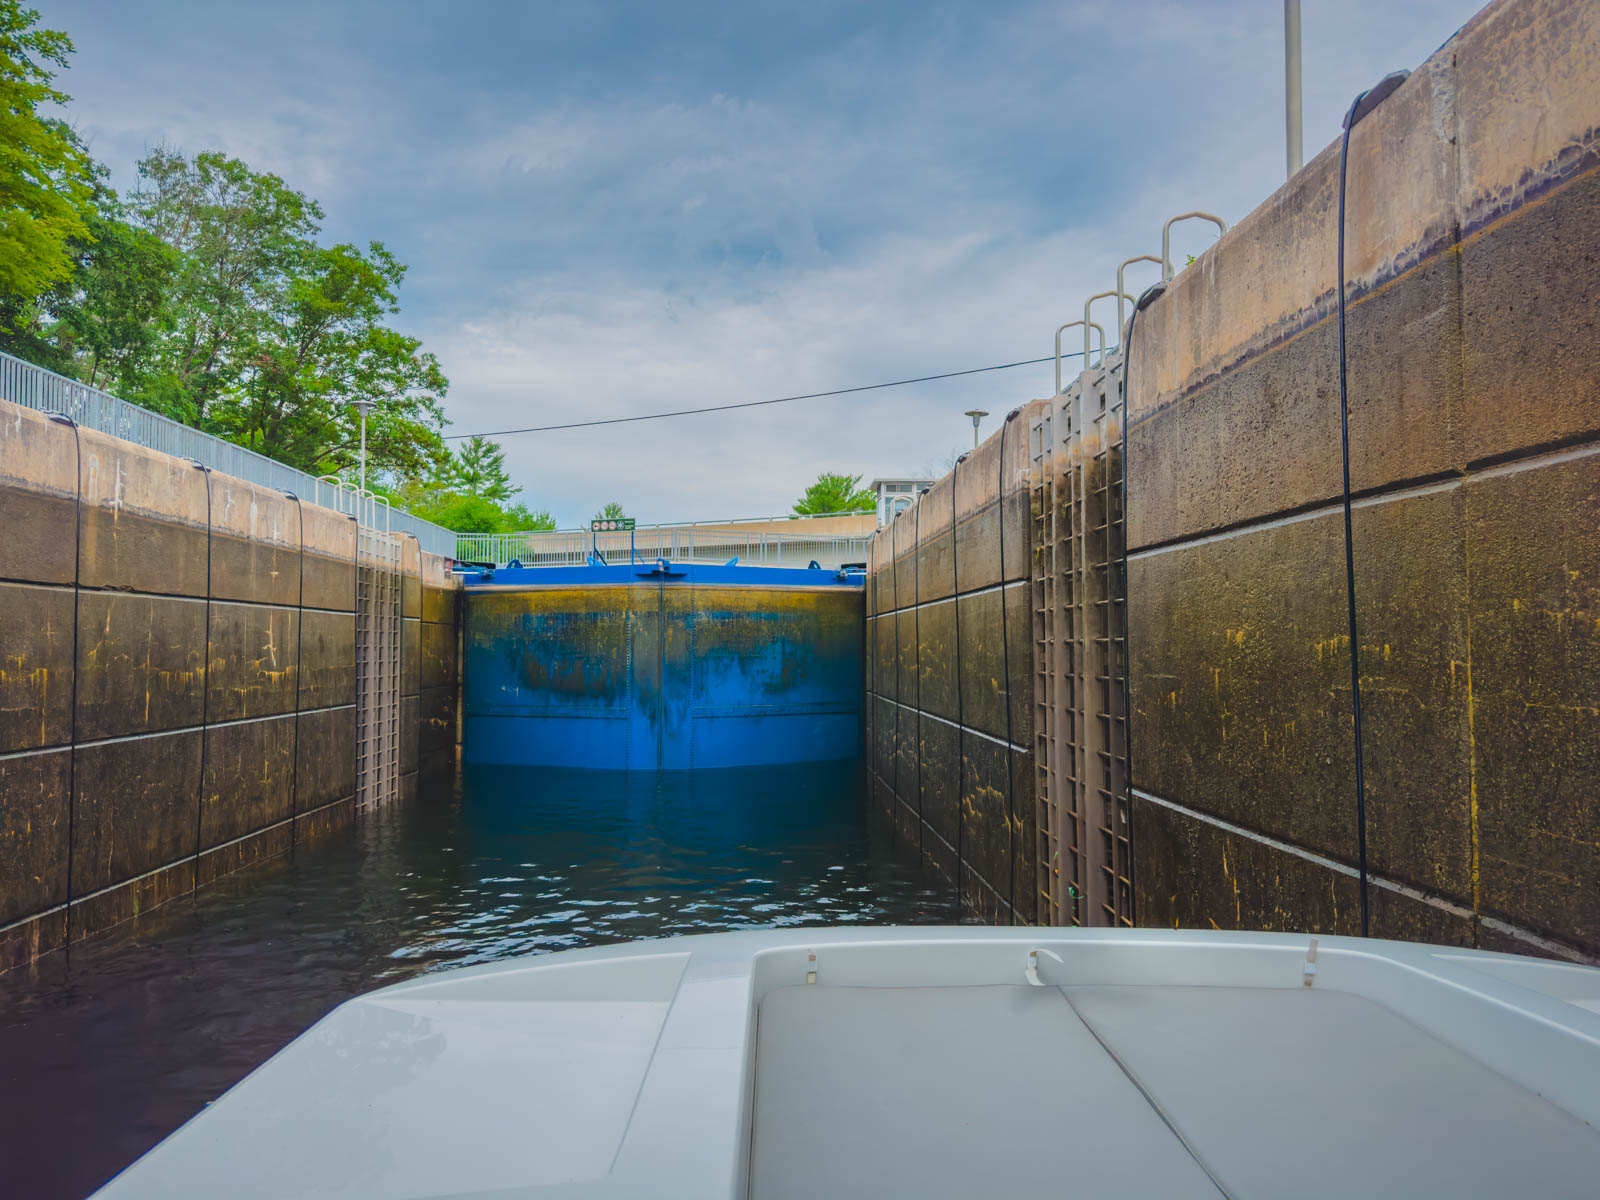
(711, 408)
(205, 688)
(1005, 654)
(299, 673)
(955, 625)
(916, 675)
(1363, 104)
(1144, 301)
(72, 715)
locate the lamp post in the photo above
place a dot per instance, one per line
(363, 406)
(977, 414)
(1294, 152)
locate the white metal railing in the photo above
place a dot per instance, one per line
(368, 508)
(572, 548)
(45, 391)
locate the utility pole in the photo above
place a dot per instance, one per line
(977, 414)
(1294, 144)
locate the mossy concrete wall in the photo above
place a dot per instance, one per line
(1474, 380)
(949, 679)
(177, 677)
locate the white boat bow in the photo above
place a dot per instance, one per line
(927, 1062)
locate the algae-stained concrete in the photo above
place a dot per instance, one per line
(141, 663)
(206, 628)
(143, 519)
(327, 661)
(328, 559)
(1474, 421)
(35, 666)
(661, 675)
(249, 779)
(253, 665)
(134, 808)
(1533, 607)
(256, 537)
(325, 758)
(950, 638)
(34, 798)
(39, 495)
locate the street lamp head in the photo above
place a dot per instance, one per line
(977, 414)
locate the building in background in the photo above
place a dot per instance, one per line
(896, 495)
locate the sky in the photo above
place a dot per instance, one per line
(619, 208)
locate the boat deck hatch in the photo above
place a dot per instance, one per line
(1137, 1090)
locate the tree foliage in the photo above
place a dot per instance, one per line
(270, 336)
(479, 468)
(611, 512)
(45, 176)
(206, 294)
(470, 492)
(833, 493)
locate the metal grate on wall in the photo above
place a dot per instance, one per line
(378, 599)
(1080, 653)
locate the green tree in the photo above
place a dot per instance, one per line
(242, 239)
(479, 468)
(462, 514)
(101, 321)
(111, 317)
(522, 519)
(322, 345)
(833, 493)
(438, 500)
(611, 512)
(267, 337)
(45, 177)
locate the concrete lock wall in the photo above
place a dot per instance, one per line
(1474, 380)
(949, 678)
(177, 678)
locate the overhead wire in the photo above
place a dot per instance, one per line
(711, 408)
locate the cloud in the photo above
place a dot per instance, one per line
(612, 209)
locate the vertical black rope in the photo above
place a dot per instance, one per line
(961, 720)
(1005, 672)
(1349, 542)
(299, 658)
(205, 690)
(72, 718)
(1359, 108)
(916, 641)
(1144, 301)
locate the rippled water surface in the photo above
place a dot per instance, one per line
(104, 1053)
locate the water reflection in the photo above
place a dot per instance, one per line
(103, 1053)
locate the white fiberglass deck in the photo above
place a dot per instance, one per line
(927, 1063)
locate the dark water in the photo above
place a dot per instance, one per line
(105, 1052)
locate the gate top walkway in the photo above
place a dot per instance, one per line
(829, 541)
